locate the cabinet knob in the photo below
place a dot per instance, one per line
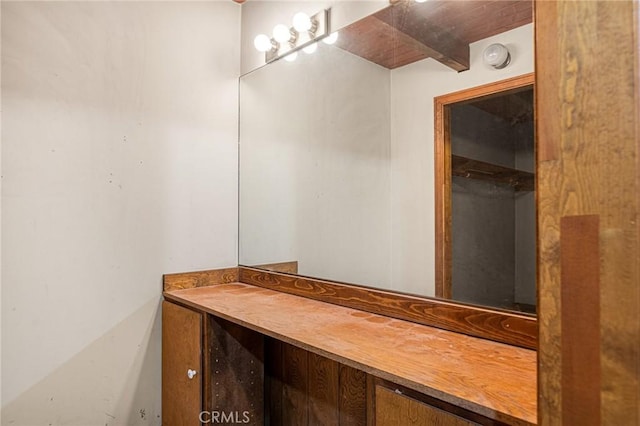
(191, 373)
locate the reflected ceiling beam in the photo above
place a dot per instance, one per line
(378, 42)
(408, 31)
(441, 45)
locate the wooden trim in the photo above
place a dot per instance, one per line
(547, 68)
(511, 328)
(371, 400)
(199, 279)
(442, 200)
(443, 170)
(580, 305)
(496, 88)
(208, 337)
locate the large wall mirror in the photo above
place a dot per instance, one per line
(338, 151)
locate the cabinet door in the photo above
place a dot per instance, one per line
(181, 365)
(393, 409)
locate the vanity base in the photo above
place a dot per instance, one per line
(314, 362)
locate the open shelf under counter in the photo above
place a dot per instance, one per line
(492, 379)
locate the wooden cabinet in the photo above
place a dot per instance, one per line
(396, 405)
(181, 365)
(263, 357)
(395, 409)
(212, 370)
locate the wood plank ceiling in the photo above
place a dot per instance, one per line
(407, 31)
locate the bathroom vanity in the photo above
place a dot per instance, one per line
(267, 356)
(275, 348)
(366, 294)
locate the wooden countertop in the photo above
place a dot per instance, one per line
(489, 378)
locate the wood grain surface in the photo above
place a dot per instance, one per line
(587, 90)
(295, 386)
(274, 375)
(511, 328)
(393, 409)
(580, 343)
(199, 278)
(435, 404)
(181, 351)
(352, 396)
(305, 387)
(488, 378)
(324, 388)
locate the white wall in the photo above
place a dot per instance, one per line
(413, 89)
(314, 155)
(119, 161)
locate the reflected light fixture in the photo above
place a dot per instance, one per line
(331, 39)
(263, 43)
(285, 41)
(421, 1)
(310, 48)
(282, 34)
(496, 55)
(291, 57)
(302, 22)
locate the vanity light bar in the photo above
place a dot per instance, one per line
(299, 40)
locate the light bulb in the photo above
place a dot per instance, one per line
(291, 57)
(302, 22)
(262, 43)
(281, 33)
(420, 1)
(496, 55)
(331, 39)
(311, 48)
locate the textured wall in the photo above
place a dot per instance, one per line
(119, 158)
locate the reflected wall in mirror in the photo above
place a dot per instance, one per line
(337, 165)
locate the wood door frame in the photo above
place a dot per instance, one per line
(442, 144)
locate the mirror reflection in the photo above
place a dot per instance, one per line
(337, 148)
(488, 233)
